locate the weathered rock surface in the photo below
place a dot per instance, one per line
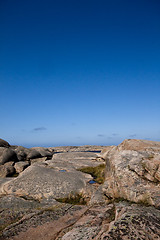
(7, 169)
(20, 166)
(39, 182)
(105, 151)
(134, 174)
(46, 223)
(133, 221)
(119, 221)
(41, 203)
(114, 221)
(140, 145)
(18, 214)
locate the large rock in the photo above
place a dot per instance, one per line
(140, 145)
(44, 152)
(28, 153)
(33, 154)
(41, 182)
(7, 170)
(7, 155)
(22, 153)
(20, 166)
(134, 174)
(3, 143)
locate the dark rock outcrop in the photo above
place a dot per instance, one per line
(44, 152)
(7, 169)
(7, 155)
(4, 143)
(33, 154)
(22, 153)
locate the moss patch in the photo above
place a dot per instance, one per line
(77, 199)
(98, 173)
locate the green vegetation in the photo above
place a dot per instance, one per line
(77, 199)
(98, 173)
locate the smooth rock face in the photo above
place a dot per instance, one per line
(74, 160)
(44, 152)
(7, 155)
(134, 174)
(41, 182)
(21, 153)
(33, 154)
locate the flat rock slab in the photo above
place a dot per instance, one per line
(17, 203)
(75, 156)
(74, 160)
(15, 211)
(122, 220)
(58, 220)
(85, 148)
(41, 182)
(13, 208)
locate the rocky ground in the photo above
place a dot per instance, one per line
(87, 192)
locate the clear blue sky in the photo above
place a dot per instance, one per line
(79, 72)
